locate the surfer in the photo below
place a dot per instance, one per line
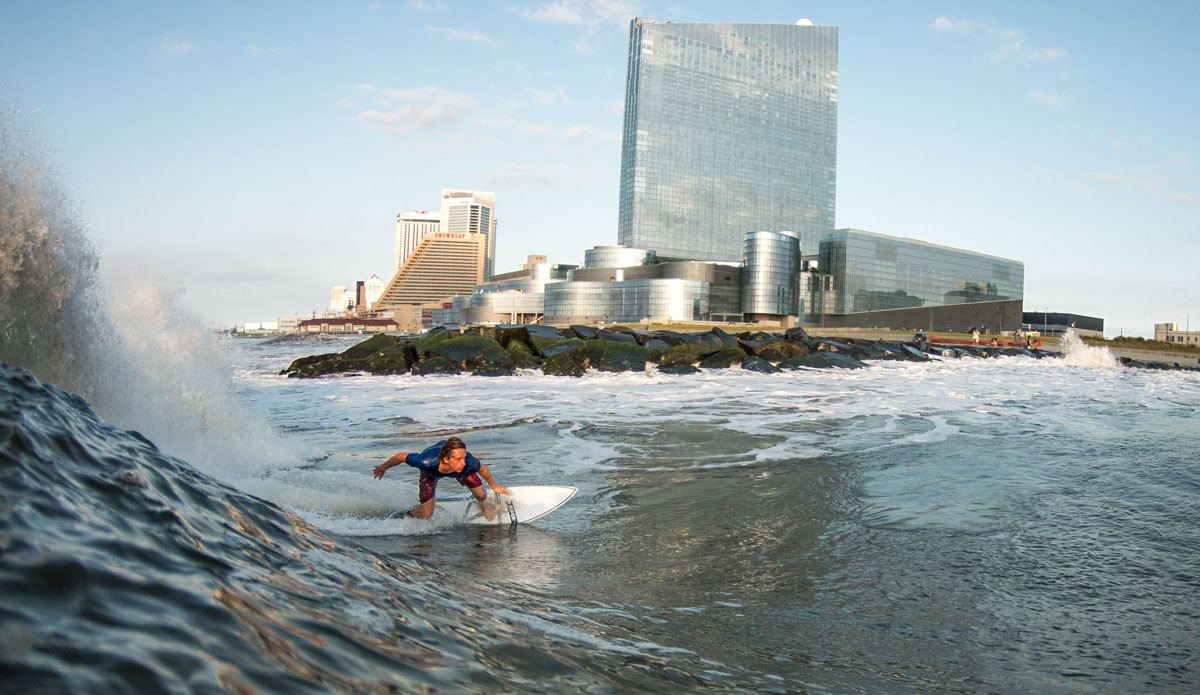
(447, 458)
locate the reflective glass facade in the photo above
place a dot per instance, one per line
(875, 272)
(628, 300)
(771, 274)
(616, 257)
(729, 128)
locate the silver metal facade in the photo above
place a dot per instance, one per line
(627, 300)
(728, 128)
(616, 257)
(771, 274)
(875, 272)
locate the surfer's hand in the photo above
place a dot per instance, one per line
(501, 490)
(380, 470)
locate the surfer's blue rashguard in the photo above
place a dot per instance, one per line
(427, 463)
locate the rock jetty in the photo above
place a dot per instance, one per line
(502, 350)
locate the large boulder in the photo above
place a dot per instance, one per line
(708, 340)
(618, 336)
(724, 358)
(686, 354)
(396, 362)
(758, 364)
(462, 349)
(726, 339)
(586, 332)
(493, 360)
(435, 364)
(565, 364)
(299, 363)
(913, 354)
(422, 343)
(370, 346)
(799, 335)
(549, 348)
(521, 356)
(507, 335)
(618, 356)
(671, 338)
(403, 348)
(679, 369)
(774, 349)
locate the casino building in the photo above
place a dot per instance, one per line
(727, 200)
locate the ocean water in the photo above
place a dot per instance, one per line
(176, 517)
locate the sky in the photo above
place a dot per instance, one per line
(248, 156)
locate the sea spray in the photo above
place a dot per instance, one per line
(125, 345)
(1079, 354)
(47, 269)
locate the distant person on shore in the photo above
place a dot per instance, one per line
(447, 458)
(974, 336)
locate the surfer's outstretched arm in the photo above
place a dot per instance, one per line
(393, 461)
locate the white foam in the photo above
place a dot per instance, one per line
(1079, 354)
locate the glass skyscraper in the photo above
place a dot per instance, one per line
(729, 128)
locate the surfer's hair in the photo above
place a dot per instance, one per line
(450, 445)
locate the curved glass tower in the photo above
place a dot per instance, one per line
(771, 274)
(729, 128)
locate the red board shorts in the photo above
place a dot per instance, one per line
(429, 484)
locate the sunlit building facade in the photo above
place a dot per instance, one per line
(472, 212)
(771, 275)
(875, 272)
(411, 228)
(729, 128)
(444, 264)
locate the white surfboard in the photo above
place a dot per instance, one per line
(524, 504)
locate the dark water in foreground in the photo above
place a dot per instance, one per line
(907, 528)
(125, 570)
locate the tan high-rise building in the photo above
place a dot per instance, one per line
(472, 212)
(442, 265)
(411, 228)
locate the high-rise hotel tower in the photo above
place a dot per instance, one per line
(729, 129)
(472, 212)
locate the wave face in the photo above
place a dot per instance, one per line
(126, 570)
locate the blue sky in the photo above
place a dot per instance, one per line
(253, 154)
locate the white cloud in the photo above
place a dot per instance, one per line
(426, 6)
(1003, 44)
(172, 47)
(523, 174)
(427, 108)
(549, 97)
(1141, 185)
(557, 12)
(259, 51)
(462, 34)
(374, 6)
(511, 124)
(591, 133)
(614, 10)
(955, 25)
(1183, 159)
(1052, 99)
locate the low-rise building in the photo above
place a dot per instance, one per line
(347, 325)
(1170, 333)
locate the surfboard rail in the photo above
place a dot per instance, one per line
(524, 504)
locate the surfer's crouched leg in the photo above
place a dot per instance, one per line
(475, 485)
(427, 491)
